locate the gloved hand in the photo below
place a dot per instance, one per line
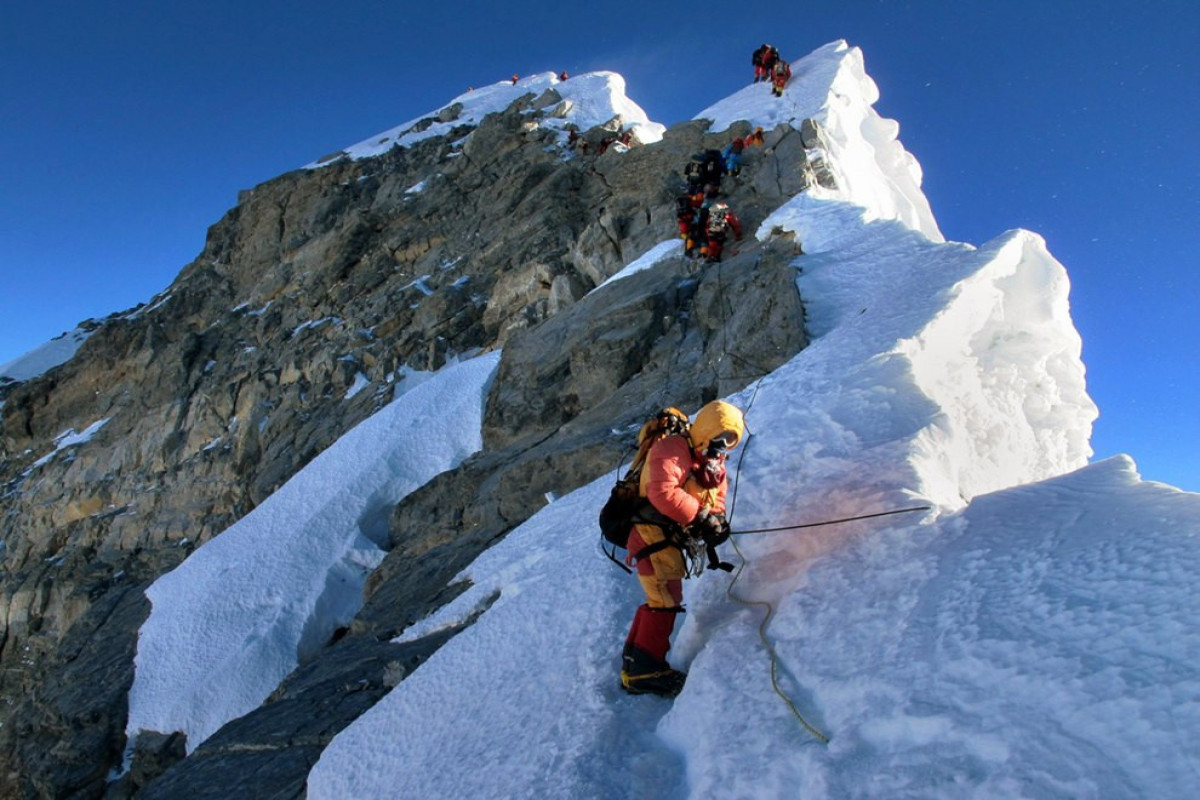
(711, 526)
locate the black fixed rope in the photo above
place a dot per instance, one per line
(835, 521)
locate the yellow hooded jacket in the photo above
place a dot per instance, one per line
(669, 484)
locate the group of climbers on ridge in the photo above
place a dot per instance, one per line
(770, 66)
(704, 218)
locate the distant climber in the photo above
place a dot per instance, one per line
(721, 220)
(755, 139)
(696, 245)
(685, 212)
(781, 73)
(708, 174)
(691, 175)
(692, 220)
(703, 172)
(514, 79)
(763, 59)
(683, 485)
(732, 154)
(562, 76)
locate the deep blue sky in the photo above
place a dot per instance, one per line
(127, 128)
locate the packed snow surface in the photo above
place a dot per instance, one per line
(587, 100)
(1031, 633)
(43, 358)
(230, 622)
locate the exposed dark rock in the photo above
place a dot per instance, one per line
(269, 752)
(153, 754)
(70, 728)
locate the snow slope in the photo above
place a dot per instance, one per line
(1032, 634)
(45, 357)
(1039, 644)
(234, 619)
(588, 100)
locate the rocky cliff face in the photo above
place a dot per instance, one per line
(311, 302)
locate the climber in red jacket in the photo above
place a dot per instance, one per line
(763, 59)
(781, 73)
(721, 220)
(685, 484)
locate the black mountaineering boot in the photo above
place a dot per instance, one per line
(643, 674)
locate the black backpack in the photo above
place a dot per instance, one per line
(625, 505)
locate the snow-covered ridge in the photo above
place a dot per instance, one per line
(871, 167)
(966, 358)
(1029, 636)
(590, 99)
(45, 357)
(938, 371)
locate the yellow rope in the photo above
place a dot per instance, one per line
(770, 648)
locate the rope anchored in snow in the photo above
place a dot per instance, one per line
(773, 657)
(770, 648)
(815, 732)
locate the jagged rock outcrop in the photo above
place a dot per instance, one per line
(310, 302)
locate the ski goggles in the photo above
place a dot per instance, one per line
(725, 440)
